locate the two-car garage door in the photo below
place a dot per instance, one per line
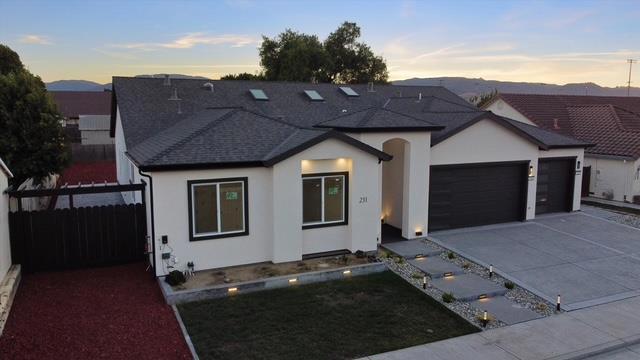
(477, 194)
(490, 193)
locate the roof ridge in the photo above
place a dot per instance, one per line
(192, 134)
(365, 119)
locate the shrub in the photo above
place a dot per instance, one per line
(448, 297)
(451, 255)
(175, 278)
(509, 285)
(417, 275)
(399, 260)
(541, 307)
(466, 265)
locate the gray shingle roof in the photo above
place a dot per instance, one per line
(228, 126)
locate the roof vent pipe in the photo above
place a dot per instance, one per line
(174, 96)
(209, 86)
(167, 80)
(370, 86)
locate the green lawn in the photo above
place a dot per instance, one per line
(342, 319)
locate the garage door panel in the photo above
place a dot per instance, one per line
(555, 185)
(478, 194)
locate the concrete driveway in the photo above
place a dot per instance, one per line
(586, 259)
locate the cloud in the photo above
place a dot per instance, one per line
(509, 63)
(188, 41)
(33, 39)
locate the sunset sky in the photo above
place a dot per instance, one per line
(536, 41)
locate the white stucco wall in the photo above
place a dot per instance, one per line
(500, 107)
(415, 179)
(487, 141)
(5, 245)
(613, 175)
(275, 210)
(392, 183)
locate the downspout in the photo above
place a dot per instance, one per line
(153, 227)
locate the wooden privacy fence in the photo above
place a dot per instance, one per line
(57, 239)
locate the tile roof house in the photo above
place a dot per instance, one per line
(611, 123)
(86, 115)
(245, 172)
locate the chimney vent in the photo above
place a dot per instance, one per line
(370, 87)
(167, 80)
(208, 85)
(174, 96)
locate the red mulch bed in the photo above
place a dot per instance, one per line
(104, 313)
(98, 172)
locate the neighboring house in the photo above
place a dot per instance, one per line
(5, 245)
(244, 172)
(611, 168)
(86, 115)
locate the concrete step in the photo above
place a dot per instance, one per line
(505, 310)
(436, 267)
(411, 249)
(468, 287)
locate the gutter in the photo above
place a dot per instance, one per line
(153, 227)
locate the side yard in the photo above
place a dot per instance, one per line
(342, 319)
(104, 313)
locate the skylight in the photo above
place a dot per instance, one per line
(258, 94)
(313, 95)
(349, 91)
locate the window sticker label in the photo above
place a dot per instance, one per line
(334, 190)
(232, 195)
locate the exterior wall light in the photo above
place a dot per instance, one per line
(448, 274)
(490, 271)
(424, 282)
(531, 174)
(558, 303)
(418, 231)
(232, 290)
(293, 281)
(346, 272)
(419, 257)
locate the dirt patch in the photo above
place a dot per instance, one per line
(242, 273)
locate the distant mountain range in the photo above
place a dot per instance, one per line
(462, 86)
(467, 87)
(85, 85)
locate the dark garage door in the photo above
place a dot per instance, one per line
(555, 185)
(478, 194)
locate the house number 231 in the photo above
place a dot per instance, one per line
(363, 199)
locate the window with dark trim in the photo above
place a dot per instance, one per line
(324, 199)
(218, 208)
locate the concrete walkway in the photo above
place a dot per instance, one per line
(585, 258)
(581, 334)
(466, 287)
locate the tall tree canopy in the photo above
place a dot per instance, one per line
(294, 56)
(32, 141)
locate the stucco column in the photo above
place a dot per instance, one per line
(415, 202)
(287, 214)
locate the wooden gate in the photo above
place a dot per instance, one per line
(56, 239)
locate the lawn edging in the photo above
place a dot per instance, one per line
(185, 334)
(173, 297)
(8, 290)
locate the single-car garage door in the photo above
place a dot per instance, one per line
(555, 185)
(477, 194)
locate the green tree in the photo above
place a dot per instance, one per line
(294, 56)
(242, 76)
(32, 142)
(483, 99)
(350, 61)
